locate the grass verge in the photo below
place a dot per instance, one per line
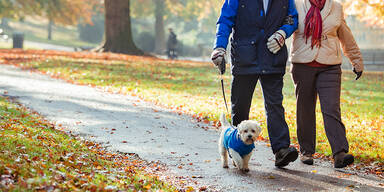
(34, 156)
(193, 88)
(9, 45)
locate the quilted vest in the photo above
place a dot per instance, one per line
(249, 52)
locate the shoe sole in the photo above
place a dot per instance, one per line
(347, 161)
(290, 157)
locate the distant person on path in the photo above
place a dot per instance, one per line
(258, 52)
(171, 44)
(316, 70)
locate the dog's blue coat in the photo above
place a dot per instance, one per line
(232, 140)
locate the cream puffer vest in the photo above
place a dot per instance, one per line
(335, 32)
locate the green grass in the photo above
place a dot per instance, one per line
(35, 29)
(8, 45)
(35, 156)
(194, 88)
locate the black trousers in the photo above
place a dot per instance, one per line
(242, 90)
(325, 82)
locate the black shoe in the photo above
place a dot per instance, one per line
(307, 159)
(342, 160)
(285, 156)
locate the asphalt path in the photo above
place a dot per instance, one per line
(128, 124)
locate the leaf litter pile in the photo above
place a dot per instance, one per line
(192, 88)
(34, 156)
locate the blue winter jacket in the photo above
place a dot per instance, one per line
(251, 29)
(232, 140)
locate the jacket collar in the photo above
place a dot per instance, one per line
(324, 12)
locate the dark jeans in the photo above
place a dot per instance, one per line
(325, 82)
(242, 90)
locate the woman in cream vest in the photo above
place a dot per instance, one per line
(316, 70)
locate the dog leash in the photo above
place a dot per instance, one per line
(221, 72)
(222, 88)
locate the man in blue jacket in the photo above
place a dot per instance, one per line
(258, 52)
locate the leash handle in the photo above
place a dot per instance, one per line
(222, 66)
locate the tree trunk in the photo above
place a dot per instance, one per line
(159, 27)
(118, 34)
(50, 27)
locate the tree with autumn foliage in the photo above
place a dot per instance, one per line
(369, 11)
(68, 12)
(65, 12)
(18, 8)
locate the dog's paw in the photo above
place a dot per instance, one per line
(245, 170)
(234, 164)
(225, 166)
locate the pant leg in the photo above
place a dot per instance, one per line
(242, 90)
(272, 86)
(304, 78)
(329, 86)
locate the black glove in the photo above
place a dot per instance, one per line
(358, 74)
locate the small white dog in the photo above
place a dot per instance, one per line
(238, 142)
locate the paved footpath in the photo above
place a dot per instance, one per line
(157, 134)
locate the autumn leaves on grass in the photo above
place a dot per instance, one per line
(35, 156)
(193, 88)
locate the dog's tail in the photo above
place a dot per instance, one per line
(223, 121)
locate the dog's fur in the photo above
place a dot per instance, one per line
(249, 130)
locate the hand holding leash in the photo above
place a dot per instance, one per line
(276, 41)
(218, 59)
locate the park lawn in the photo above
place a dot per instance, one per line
(34, 156)
(35, 29)
(194, 88)
(8, 45)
